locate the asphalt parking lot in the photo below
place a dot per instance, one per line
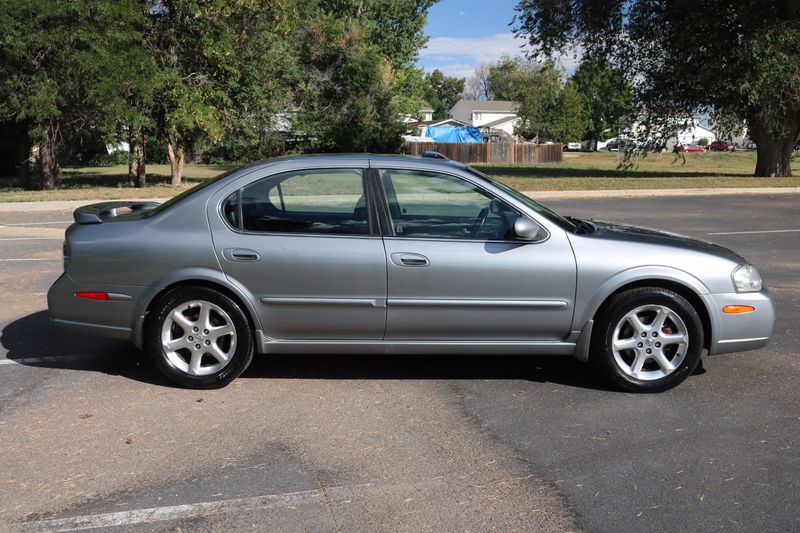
(92, 437)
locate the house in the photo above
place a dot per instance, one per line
(418, 131)
(426, 112)
(691, 135)
(490, 116)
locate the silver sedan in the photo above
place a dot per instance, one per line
(383, 254)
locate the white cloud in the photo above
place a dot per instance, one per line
(456, 70)
(462, 13)
(479, 50)
(461, 56)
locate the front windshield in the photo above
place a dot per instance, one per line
(549, 214)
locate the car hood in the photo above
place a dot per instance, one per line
(635, 234)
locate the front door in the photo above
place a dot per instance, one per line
(304, 244)
(455, 271)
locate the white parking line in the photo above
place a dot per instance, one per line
(38, 360)
(32, 239)
(196, 510)
(31, 259)
(755, 232)
(36, 223)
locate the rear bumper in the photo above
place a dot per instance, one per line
(740, 332)
(109, 318)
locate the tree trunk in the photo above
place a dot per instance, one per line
(774, 157)
(25, 157)
(136, 169)
(175, 160)
(49, 153)
(775, 151)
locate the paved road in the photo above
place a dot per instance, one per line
(90, 435)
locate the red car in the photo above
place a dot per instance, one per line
(722, 146)
(691, 148)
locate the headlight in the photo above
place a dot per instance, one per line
(746, 279)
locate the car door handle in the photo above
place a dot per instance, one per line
(240, 254)
(409, 259)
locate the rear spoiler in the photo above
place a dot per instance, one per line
(97, 213)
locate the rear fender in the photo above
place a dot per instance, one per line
(183, 277)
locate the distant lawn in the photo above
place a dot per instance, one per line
(602, 171)
(578, 171)
(108, 183)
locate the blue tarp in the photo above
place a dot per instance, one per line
(453, 134)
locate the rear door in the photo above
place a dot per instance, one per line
(304, 243)
(455, 271)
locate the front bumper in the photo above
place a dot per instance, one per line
(740, 332)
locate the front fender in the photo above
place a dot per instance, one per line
(593, 301)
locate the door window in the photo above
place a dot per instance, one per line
(432, 205)
(329, 201)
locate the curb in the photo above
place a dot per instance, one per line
(63, 205)
(647, 193)
(68, 205)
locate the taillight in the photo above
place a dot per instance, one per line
(92, 295)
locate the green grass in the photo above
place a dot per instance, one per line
(108, 183)
(602, 171)
(578, 171)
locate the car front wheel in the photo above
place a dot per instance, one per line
(647, 339)
(199, 337)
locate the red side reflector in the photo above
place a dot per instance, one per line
(736, 309)
(92, 295)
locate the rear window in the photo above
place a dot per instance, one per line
(187, 193)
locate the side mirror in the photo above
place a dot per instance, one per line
(526, 229)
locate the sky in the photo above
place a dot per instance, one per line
(465, 33)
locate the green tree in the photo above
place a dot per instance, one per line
(507, 78)
(353, 53)
(64, 67)
(345, 97)
(606, 96)
(569, 120)
(222, 66)
(743, 60)
(395, 27)
(447, 91)
(537, 88)
(411, 92)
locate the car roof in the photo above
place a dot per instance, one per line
(372, 159)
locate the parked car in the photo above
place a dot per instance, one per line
(617, 144)
(690, 148)
(397, 255)
(722, 146)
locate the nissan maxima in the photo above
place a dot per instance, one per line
(397, 255)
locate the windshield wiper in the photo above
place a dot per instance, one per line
(583, 227)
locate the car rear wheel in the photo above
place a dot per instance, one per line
(199, 337)
(647, 340)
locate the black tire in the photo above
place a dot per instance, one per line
(240, 353)
(646, 300)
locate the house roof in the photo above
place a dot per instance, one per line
(487, 106)
(498, 122)
(436, 122)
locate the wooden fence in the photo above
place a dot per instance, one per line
(493, 153)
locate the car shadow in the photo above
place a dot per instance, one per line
(34, 341)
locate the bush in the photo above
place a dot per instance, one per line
(109, 160)
(702, 142)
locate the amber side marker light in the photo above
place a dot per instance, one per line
(738, 309)
(92, 295)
